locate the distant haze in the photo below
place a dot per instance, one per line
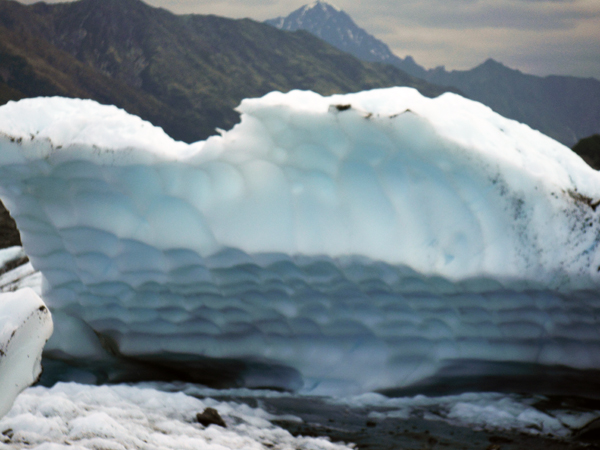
(540, 37)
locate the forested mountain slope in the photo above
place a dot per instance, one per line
(184, 73)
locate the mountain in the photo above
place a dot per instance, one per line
(333, 25)
(184, 73)
(337, 28)
(565, 108)
(31, 67)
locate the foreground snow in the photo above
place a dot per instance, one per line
(25, 326)
(326, 244)
(162, 416)
(74, 416)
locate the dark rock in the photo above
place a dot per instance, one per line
(343, 107)
(9, 235)
(589, 432)
(210, 416)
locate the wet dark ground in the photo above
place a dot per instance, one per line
(353, 425)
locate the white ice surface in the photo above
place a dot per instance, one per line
(25, 326)
(74, 416)
(395, 235)
(444, 186)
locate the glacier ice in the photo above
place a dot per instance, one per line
(353, 242)
(25, 326)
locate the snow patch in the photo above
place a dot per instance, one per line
(71, 415)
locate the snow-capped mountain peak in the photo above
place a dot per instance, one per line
(330, 23)
(323, 6)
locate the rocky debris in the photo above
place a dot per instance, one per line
(210, 416)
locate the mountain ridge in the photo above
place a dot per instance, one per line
(565, 108)
(195, 68)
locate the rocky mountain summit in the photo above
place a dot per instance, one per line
(334, 26)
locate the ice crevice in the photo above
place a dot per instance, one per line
(356, 248)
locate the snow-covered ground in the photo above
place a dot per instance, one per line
(75, 416)
(163, 416)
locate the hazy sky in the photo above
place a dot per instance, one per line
(536, 36)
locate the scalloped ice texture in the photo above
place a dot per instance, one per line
(362, 240)
(25, 326)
